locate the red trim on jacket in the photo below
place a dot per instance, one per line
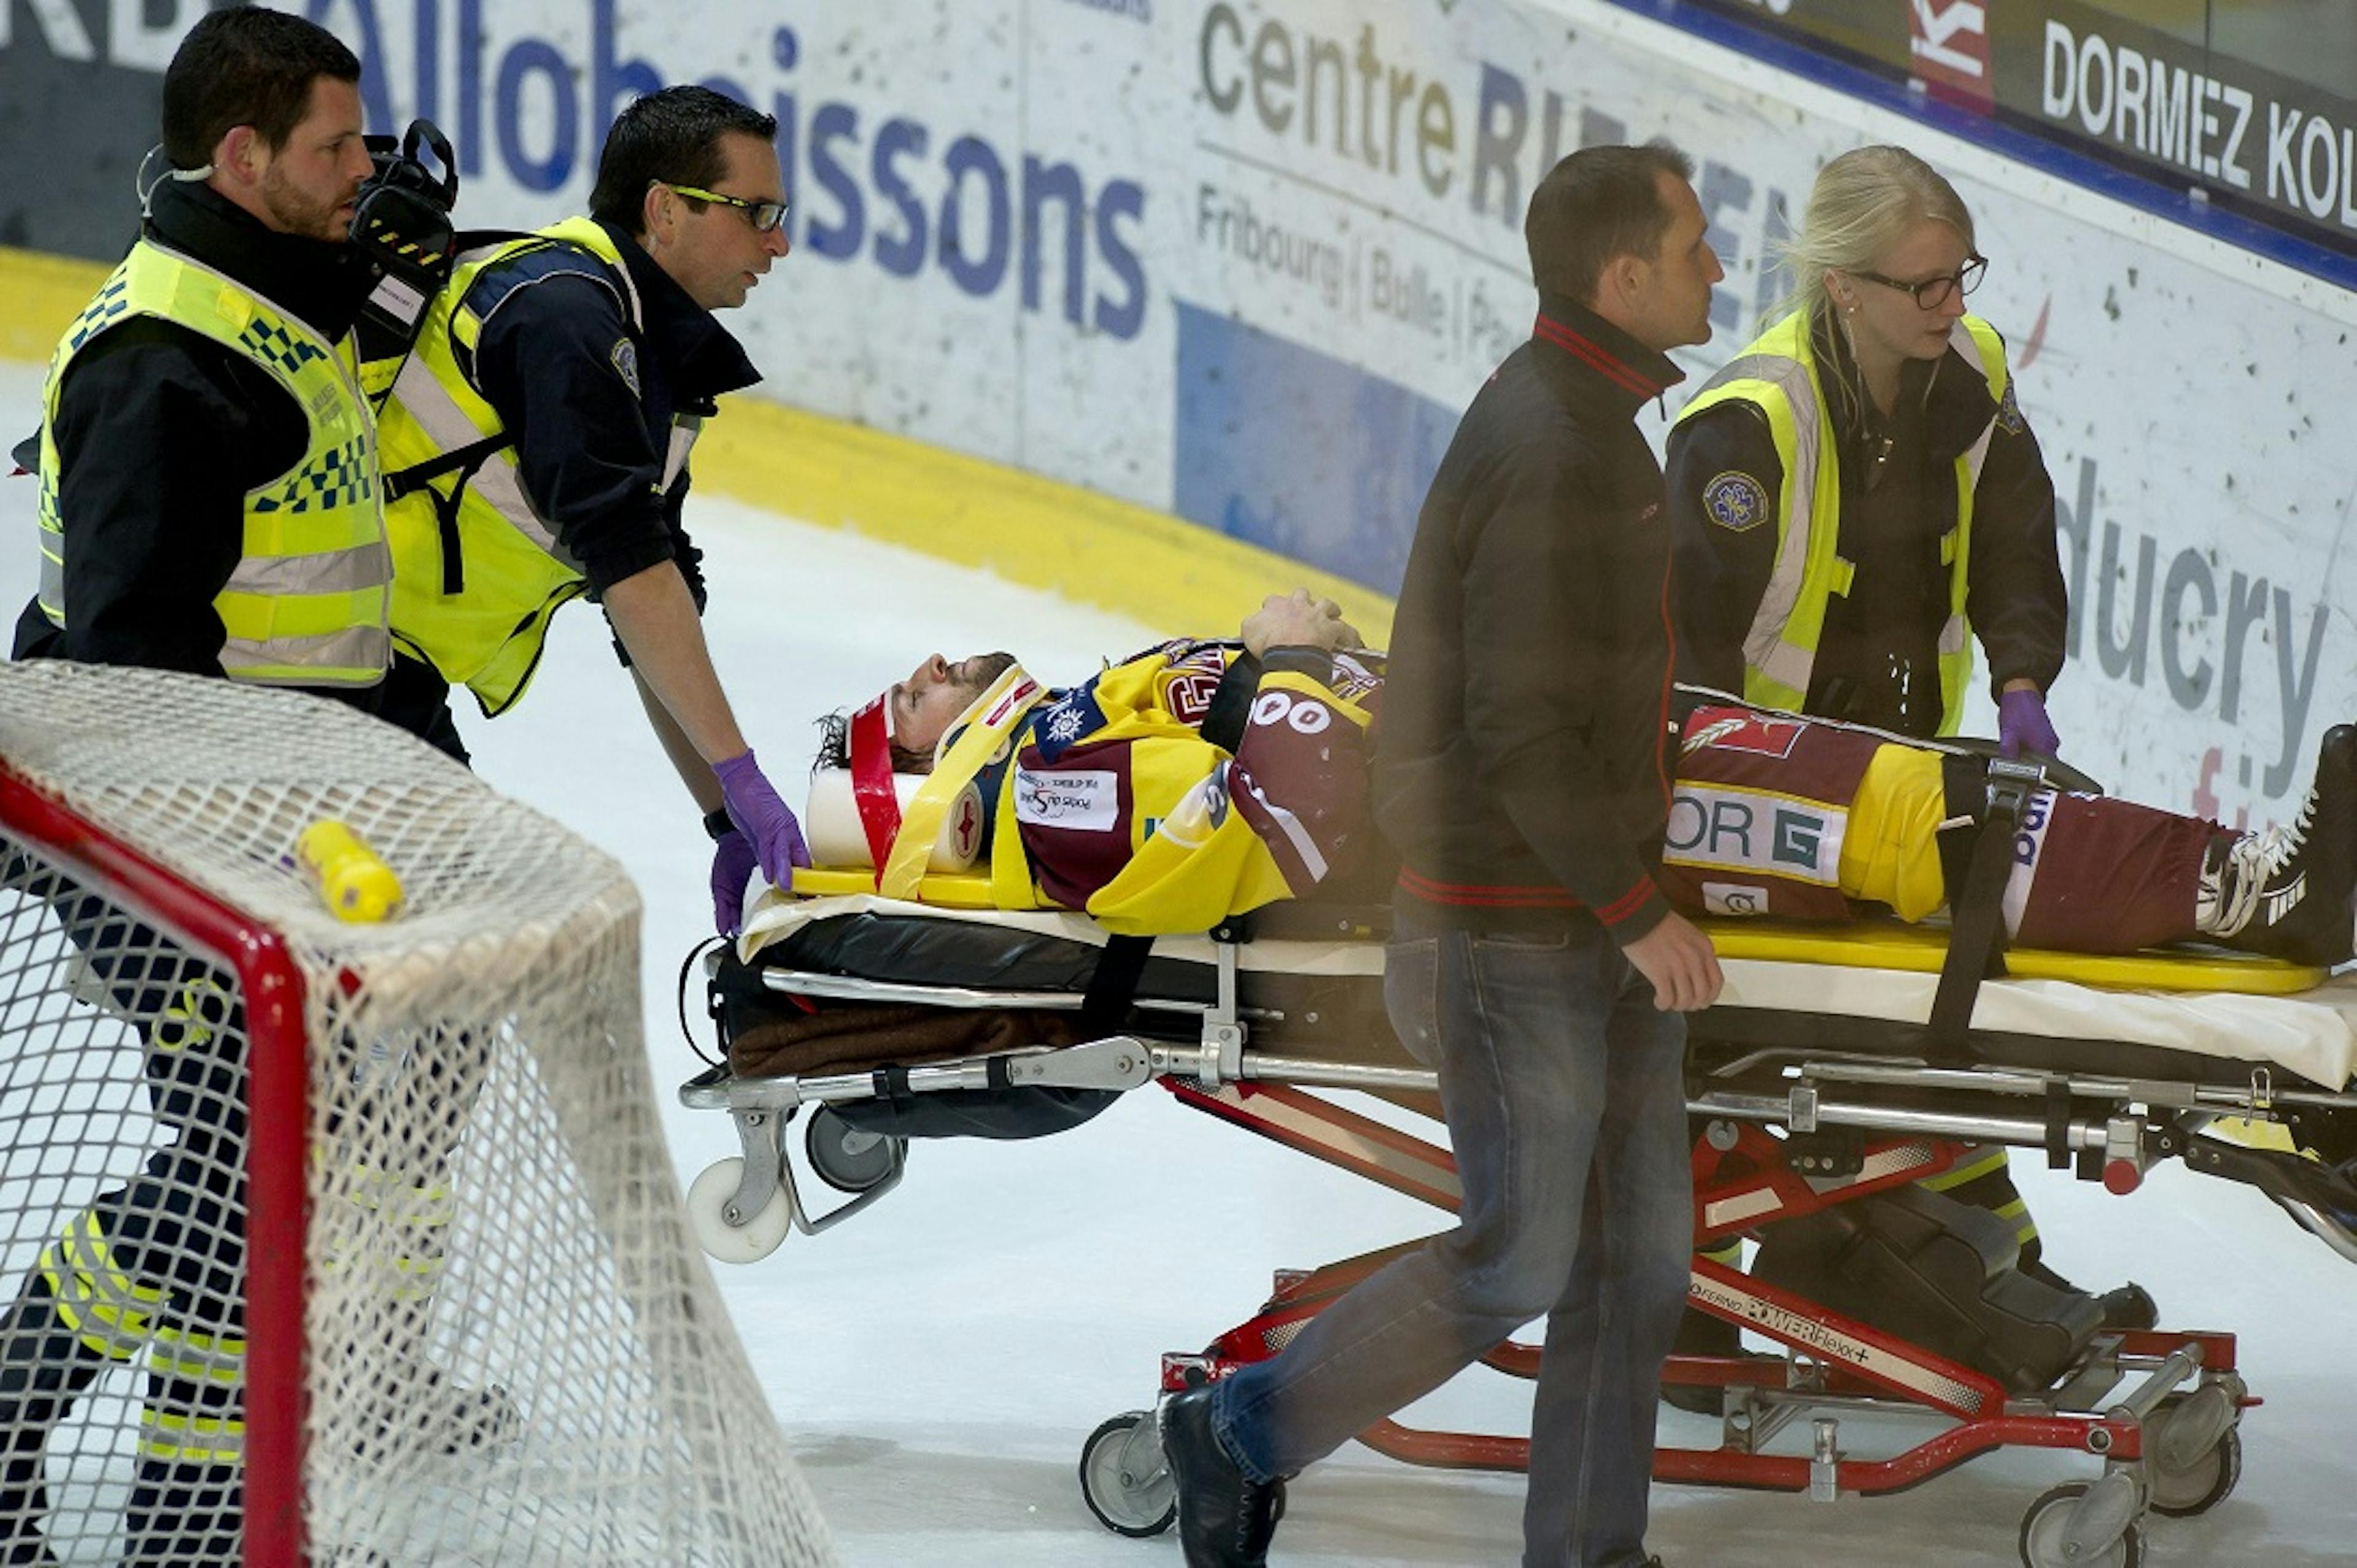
(1596, 356)
(1628, 904)
(1485, 896)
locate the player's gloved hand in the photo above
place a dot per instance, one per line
(763, 817)
(733, 864)
(2022, 725)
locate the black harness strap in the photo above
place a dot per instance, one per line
(404, 482)
(463, 461)
(1114, 986)
(1977, 935)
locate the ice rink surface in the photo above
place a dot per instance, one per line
(936, 1363)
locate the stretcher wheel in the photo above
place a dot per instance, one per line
(1127, 1484)
(707, 1204)
(2045, 1527)
(2200, 1486)
(848, 1158)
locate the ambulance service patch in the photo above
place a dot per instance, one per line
(626, 364)
(1736, 501)
(2008, 413)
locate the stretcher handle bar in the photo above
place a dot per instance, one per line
(1331, 1075)
(852, 988)
(845, 1087)
(2321, 1225)
(2003, 1081)
(2019, 1131)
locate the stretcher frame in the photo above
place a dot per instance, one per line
(2159, 1409)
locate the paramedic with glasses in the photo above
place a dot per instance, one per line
(1855, 496)
(1856, 500)
(535, 445)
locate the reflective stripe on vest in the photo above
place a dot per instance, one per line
(107, 1310)
(1778, 375)
(193, 1356)
(307, 602)
(175, 1438)
(478, 574)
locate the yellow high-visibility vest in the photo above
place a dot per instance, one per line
(307, 603)
(478, 574)
(1777, 374)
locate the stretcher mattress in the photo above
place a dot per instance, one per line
(1783, 986)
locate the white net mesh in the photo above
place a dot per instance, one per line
(513, 1351)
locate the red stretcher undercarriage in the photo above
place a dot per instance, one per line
(1821, 1094)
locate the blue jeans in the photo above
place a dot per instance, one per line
(1564, 1092)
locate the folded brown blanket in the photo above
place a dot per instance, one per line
(856, 1039)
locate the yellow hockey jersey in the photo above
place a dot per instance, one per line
(1193, 782)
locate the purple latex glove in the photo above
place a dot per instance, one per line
(733, 864)
(2022, 725)
(763, 817)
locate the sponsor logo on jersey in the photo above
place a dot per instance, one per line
(1073, 717)
(1085, 803)
(2029, 846)
(1740, 729)
(1355, 675)
(1188, 693)
(1733, 898)
(1748, 830)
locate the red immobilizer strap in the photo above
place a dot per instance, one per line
(871, 780)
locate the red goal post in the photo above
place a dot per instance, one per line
(345, 1243)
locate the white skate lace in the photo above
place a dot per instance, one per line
(2251, 861)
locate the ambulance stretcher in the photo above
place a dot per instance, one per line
(1837, 1066)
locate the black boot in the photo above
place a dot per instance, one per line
(2128, 1306)
(426, 1410)
(44, 1368)
(1226, 1518)
(2285, 891)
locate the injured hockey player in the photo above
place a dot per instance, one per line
(1196, 781)
(1206, 778)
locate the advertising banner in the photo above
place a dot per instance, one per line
(2248, 102)
(1246, 260)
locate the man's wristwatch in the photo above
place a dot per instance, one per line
(719, 824)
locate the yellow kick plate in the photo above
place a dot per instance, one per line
(1892, 946)
(1877, 945)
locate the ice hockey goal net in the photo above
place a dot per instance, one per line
(333, 1242)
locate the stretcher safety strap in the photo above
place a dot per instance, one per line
(1113, 986)
(1976, 935)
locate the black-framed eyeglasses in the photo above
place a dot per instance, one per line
(1932, 293)
(764, 216)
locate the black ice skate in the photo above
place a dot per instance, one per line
(2285, 891)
